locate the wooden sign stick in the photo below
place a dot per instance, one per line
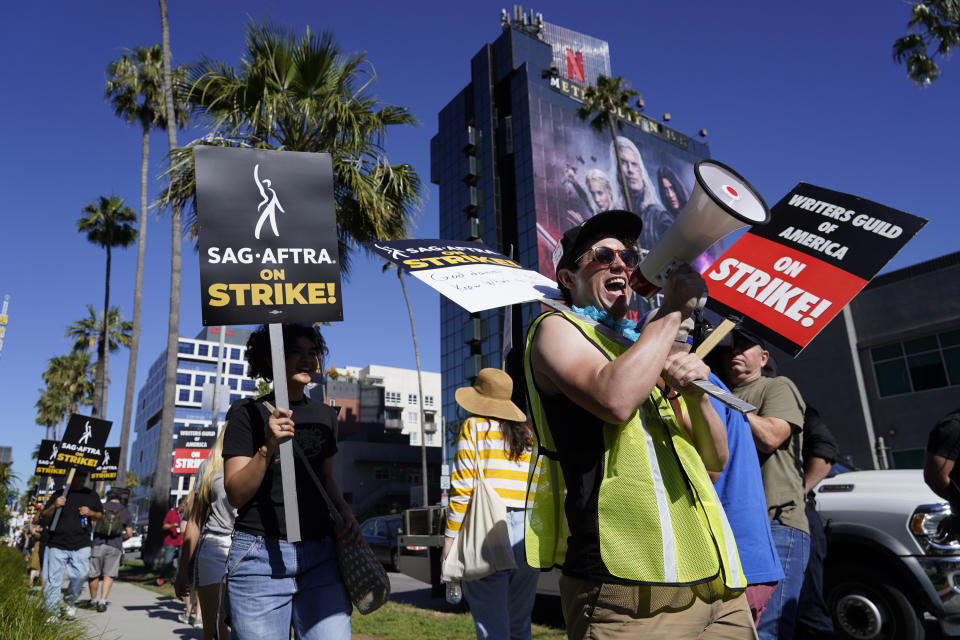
(714, 338)
(66, 491)
(287, 473)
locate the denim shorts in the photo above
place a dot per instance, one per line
(210, 560)
(273, 584)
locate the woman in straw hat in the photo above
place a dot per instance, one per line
(496, 437)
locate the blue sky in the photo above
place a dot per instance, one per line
(788, 92)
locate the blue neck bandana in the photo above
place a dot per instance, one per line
(626, 328)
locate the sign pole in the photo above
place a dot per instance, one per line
(66, 491)
(100, 484)
(715, 337)
(288, 474)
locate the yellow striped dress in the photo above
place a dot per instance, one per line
(507, 477)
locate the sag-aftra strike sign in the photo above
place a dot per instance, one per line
(83, 442)
(793, 275)
(47, 460)
(268, 237)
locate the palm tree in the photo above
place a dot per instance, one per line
(936, 29)
(160, 494)
(68, 385)
(416, 354)
(135, 89)
(300, 93)
(86, 331)
(107, 224)
(606, 99)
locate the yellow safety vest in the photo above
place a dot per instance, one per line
(660, 520)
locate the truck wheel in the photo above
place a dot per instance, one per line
(395, 560)
(867, 607)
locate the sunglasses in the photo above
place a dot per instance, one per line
(606, 256)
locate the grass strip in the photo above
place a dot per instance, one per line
(23, 615)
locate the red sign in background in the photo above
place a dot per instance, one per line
(787, 291)
(188, 460)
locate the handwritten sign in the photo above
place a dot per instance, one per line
(471, 275)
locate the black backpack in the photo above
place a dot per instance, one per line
(110, 525)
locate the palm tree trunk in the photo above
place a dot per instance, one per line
(99, 387)
(623, 177)
(423, 426)
(137, 300)
(160, 496)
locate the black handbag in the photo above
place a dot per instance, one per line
(363, 575)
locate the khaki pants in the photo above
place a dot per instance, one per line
(601, 611)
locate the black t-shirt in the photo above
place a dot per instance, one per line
(71, 534)
(264, 514)
(944, 441)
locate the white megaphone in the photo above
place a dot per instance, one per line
(721, 202)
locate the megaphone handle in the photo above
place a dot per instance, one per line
(714, 338)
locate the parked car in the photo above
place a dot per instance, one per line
(884, 568)
(381, 534)
(134, 543)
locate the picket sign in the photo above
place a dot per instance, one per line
(288, 476)
(66, 492)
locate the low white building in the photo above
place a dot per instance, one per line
(402, 399)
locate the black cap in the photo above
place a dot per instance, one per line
(749, 336)
(623, 225)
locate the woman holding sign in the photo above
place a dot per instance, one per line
(273, 583)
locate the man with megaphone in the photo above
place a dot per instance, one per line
(641, 537)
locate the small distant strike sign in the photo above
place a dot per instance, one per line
(83, 442)
(46, 460)
(791, 276)
(192, 447)
(109, 467)
(268, 237)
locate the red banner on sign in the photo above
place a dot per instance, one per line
(188, 460)
(785, 290)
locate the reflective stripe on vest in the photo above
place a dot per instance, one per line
(652, 475)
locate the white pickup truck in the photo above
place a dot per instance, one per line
(882, 573)
(883, 570)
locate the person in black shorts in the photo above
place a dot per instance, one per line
(273, 583)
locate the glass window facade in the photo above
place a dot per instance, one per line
(920, 364)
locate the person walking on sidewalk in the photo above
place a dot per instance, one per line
(112, 529)
(68, 547)
(496, 440)
(172, 540)
(206, 541)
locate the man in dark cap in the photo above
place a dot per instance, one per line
(776, 427)
(638, 531)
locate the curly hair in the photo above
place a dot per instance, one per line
(258, 347)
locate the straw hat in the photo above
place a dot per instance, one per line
(490, 396)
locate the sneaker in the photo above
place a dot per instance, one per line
(70, 612)
(183, 618)
(194, 622)
(101, 606)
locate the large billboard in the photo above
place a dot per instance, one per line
(576, 177)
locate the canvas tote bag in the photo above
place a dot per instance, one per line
(483, 545)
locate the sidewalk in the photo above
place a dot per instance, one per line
(135, 613)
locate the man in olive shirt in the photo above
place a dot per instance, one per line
(776, 428)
